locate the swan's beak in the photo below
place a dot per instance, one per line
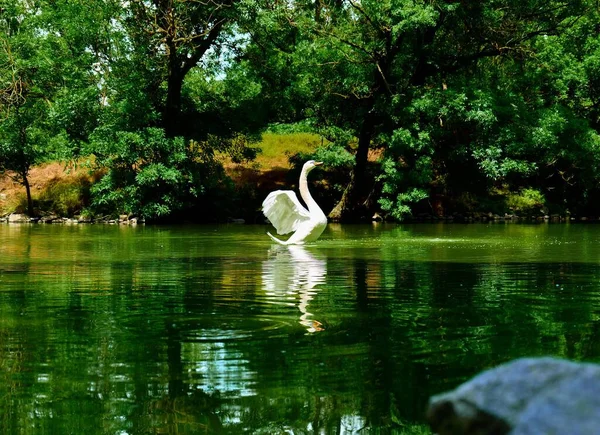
(318, 163)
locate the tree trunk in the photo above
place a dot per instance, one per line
(172, 114)
(180, 62)
(352, 206)
(25, 165)
(318, 10)
(30, 211)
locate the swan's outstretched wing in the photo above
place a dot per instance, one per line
(284, 211)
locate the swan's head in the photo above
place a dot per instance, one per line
(310, 165)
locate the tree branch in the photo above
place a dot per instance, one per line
(362, 11)
(201, 49)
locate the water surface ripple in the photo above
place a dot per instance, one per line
(213, 329)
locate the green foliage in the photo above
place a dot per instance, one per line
(398, 203)
(223, 107)
(151, 175)
(334, 156)
(48, 104)
(296, 127)
(26, 79)
(404, 179)
(526, 202)
(450, 92)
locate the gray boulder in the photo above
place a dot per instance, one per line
(526, 396)
(17, 218)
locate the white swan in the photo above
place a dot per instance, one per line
(287, 214)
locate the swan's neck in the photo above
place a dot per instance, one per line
(312, 205)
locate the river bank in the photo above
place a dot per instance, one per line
(21, 218)
(61, 195)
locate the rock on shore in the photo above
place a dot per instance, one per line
(524, 397)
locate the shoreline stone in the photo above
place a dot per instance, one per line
(20, 218)
(523, 397)
(474, 217)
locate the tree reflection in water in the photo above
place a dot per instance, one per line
(292, 273)
(201, 330)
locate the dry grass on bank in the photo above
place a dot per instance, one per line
(272, 162)
(276, 149)
(54, 185)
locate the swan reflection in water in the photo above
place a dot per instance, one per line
(292, 273)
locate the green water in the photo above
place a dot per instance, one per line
(138, 330)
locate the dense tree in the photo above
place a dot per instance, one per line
(167, 74)
(566, 69)
(29, 79)
(507, 126)
(450, 102)
(386, 72)
(176, 36)
(50, 92)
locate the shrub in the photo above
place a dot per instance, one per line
(527, 201)
(155, 176)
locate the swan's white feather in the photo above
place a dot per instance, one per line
(284, 211)
(287, 214)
